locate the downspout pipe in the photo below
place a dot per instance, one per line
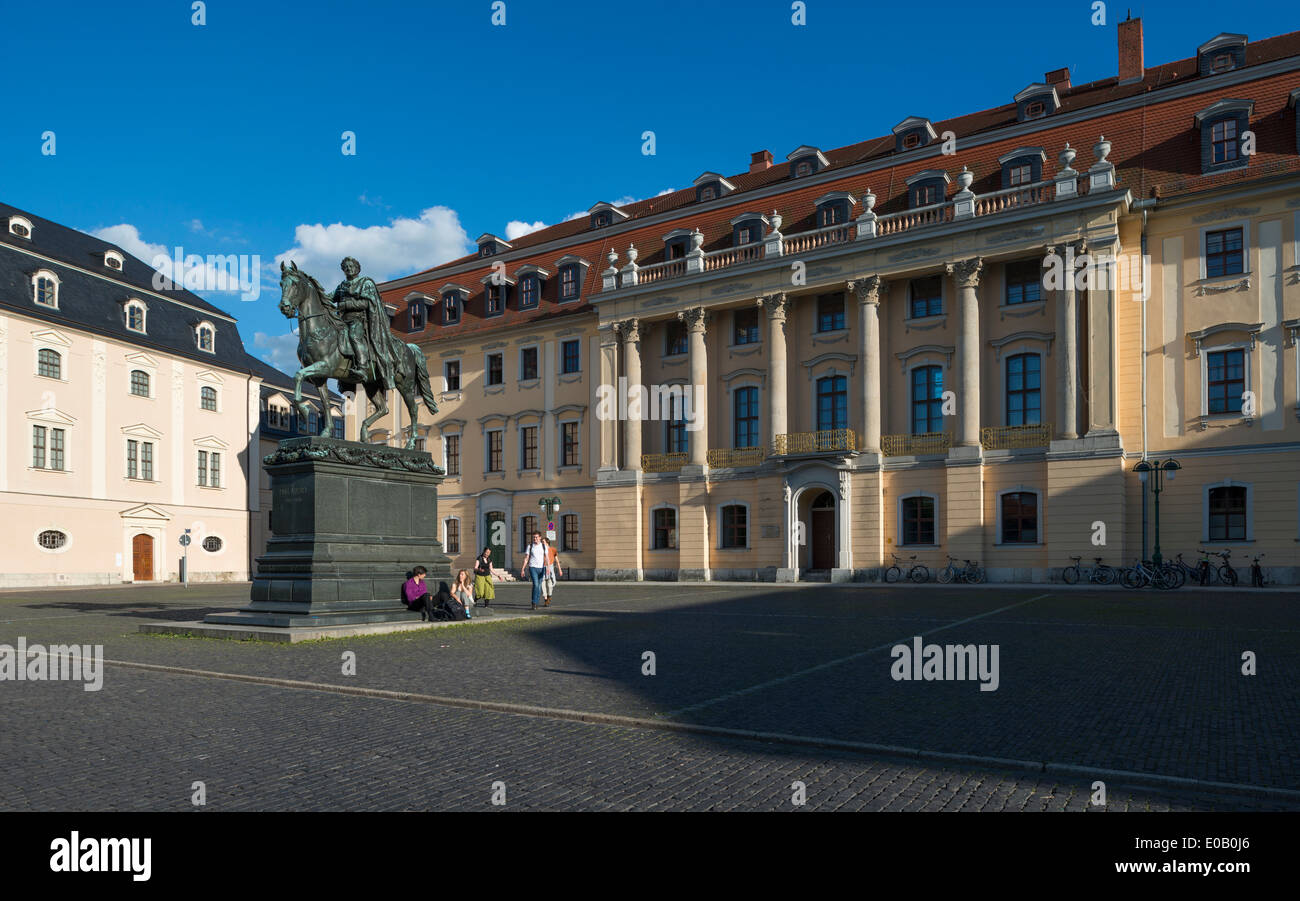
(1144, 205)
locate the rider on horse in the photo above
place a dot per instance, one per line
(357, 299)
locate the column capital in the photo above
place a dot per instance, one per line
(1074, 250)
(966, 272)
(776, 305)
(628, 330)
(868, 288)
(695, 318)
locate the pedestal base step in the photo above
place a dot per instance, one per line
(294, 634)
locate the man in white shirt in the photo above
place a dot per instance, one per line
(535, 566)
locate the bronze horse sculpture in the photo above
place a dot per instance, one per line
(321, 333)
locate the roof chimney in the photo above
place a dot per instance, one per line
(760, 161)
(1130, 50)
(1059, 77)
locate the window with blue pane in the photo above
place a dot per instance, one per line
(569, 287)
(746, 326)
(1024, 389)
(1226, 377)
(677, 437)
(570, 355)
(1223, 253)
(832, 403)
(925, 297)
(1024, 282)
(528, 292)
(338, 429)
(746, 403)
(830, 312)
(927, 399)
(675, 338)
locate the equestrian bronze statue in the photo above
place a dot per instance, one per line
(345, 336)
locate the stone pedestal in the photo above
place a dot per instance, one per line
(348, 522)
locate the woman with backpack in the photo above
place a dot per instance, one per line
(484, 590)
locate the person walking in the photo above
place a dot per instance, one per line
(534, 567)
(553, 572)
(484, 590)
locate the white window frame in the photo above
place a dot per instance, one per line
(538, 349)
(198, 337)
(50, 419)
(1206, 540)
(898, 535)
(67, 544)
(650, 533)
(519, 434)
(748, 545)
(26, 223)
(1246, 248)
(1038, 515)
(1246, 347)
(58, 288)
(560, 465)
(459, 435)
(487, 452)
(132, 304)
(460, 534)
(217, 391)
(486, 369)
(114, 255)
(149, 374)
(446, 385)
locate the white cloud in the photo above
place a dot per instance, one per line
(517, 229)
(385, 251)
(281, 351)
(198, 271)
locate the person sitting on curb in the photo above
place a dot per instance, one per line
(463, 590)
(416, 594)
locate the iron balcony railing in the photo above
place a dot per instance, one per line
(911, 445)
(1010, 437)
(824, 442)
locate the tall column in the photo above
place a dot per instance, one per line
(695, 319)
(609, 382)
(775, 305)
(1067, 332)
(869, 290)
(966, 277)
(630, 331)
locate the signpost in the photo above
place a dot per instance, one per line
(550, 506)
(185, 561)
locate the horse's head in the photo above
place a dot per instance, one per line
(293, 287)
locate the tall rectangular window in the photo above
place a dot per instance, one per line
(1223, 141)
(1223, 252)
(133, 459)
(496, 369)
(734, 522)
(453, 536)
(1226, 377)
(214, 469)
(1020, 517)
(417, 315)
(528, 363)
(451, 372)
(569, 283)
(1228, 513)
(918, 520)
(572, 537)
(453, 454)
(528, 292)
(1024, 282)
(746, 417)
(927, 399)
(677, 436)
(665, 528)
(203, 468)
(528, 447)
(494, 452)
(1024, 395)
(450, 309)
(38, 446)
(830, 312)
(569, 444)
(571, 356)
(496, 299)
(675, 338)
(527, 526)
(146, 460)
(926, 297)
(745, 325)
(832, 403)
(56, 449)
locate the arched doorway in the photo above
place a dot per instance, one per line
(821, 532)
(142, 558)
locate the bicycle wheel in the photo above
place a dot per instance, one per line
(1132, 578)
(946, 574)
(1228, 576)
(919, 573)
(1104, 575)
(1070, 575)
(1179, 576)
(976, 574)
(893, 574)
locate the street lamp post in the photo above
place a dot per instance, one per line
(549, 507)
(1152, 472)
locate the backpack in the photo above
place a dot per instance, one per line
(452, 609)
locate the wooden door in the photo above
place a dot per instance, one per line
(495, 537)
(142, 558)
(823, 532)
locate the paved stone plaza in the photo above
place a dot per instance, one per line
(1090, 681)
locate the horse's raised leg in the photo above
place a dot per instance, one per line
(327, 420)
(310, 373)
(379, 400)
(408, 395)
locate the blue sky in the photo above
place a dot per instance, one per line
(227, 137)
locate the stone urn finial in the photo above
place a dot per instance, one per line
(869, 201)
(631, 253)
(1101, 149)
(697, 239)
(776, 221)
(964, 178)
(1067, 156)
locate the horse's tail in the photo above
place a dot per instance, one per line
(422, 378)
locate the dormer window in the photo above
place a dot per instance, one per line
(1222, 126)
(113, 260)
(1221, 54)
(415, 314)
(913, 132)
(20, 227)
(530, 280)
(711, 186)
(748, 228)
(1022, 166)
(205, 337)
(927, 188)
(45, 289)
(805, 161)
(453, 299)
(834, 208)
(134, 311)
(490, 245)
(604, 214)
(496, 290)
(676, 243)
(1036, 101)
(572, 272)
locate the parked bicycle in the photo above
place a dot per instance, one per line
(1257, 579)
(1144, 573)
(1201, 574)
(918, 572)
(1227, 575)
(1098, 574)
(971, 572)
